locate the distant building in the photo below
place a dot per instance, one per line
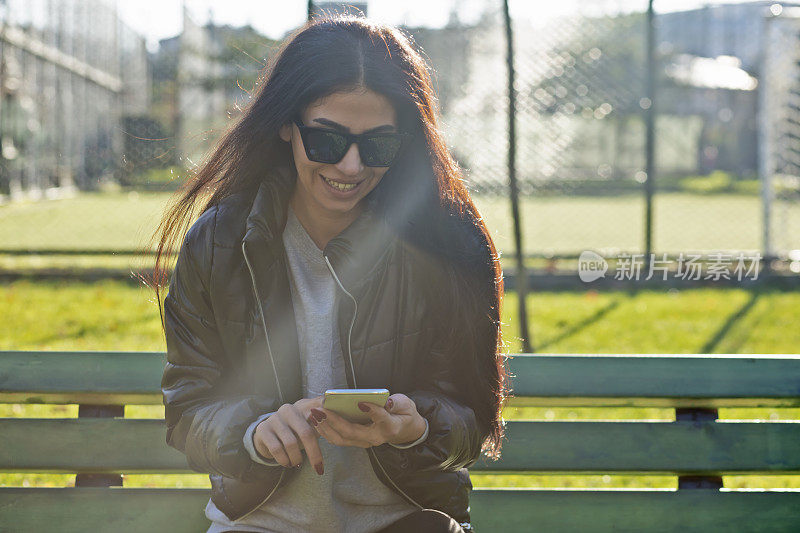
(581, 82)
(718, 30)
(715, 59)
(69, 73)
(211, 68)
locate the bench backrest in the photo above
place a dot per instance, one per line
(696, 447)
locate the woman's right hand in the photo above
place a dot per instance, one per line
(283, 435)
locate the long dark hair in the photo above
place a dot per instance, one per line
(422, 196)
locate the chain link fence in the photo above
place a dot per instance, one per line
(779, 130)
(96, 130)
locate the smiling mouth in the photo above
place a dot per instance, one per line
(339, 185)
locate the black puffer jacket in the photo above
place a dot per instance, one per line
(233, 353)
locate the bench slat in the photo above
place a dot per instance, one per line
(85, 445)
(103, 378)
(181, 510)
(544, 380)
(684, 447)
(657, 380)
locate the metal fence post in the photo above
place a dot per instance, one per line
(521, 282)
(650, 143)
(765, 139)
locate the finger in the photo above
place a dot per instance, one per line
(348, 430)
(334, 437)
(307, 433)
(298, 432)
(274, 446)
(288, 438)
(317, 402)
(400, 404)
(390, 418)
(378, 414)
(351, 431)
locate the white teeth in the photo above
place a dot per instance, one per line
(340, 186)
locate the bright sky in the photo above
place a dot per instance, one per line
(158, 19)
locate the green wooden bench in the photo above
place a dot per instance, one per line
(99, 446)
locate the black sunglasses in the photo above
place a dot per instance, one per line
(328, 146)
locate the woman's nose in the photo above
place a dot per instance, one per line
(351, 162)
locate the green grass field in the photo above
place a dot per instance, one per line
(683, 222)
(114, 315)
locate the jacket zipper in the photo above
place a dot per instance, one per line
(353, 374)
(274, 370)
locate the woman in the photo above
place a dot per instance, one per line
(339, 249)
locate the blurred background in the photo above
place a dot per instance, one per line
(661, 128)
(106, 105)
(687, 145)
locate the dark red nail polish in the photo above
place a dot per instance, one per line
(389, 403)
(312, 421)
(363, 407)
(319, 415)
(319, 468)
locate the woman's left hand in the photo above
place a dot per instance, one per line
(397, 422)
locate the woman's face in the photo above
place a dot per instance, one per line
(353, 111)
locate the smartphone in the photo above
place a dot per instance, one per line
(344, 402)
